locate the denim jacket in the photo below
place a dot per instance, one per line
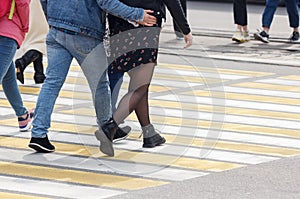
(86, 16)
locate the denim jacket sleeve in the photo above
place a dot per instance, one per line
(117, 8)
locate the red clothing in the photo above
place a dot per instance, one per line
(18, 26)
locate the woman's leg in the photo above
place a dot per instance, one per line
(150, 137)
(142, 111)
(240, 12)
(140, 79)
(8, 76)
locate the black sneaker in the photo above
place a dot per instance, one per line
(121, 133)
(153, 141)
(262, 36)
(41, 145)
(294, 37)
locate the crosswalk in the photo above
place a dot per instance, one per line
(213, 119)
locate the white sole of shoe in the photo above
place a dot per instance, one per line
(106, 146)
(40, 148)
(260, 38)
(27, 127)
(119, 139)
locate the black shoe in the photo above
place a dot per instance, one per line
(153, 141)
(39, 78)
(110, 128)
(39, 75)
(20, 70)
(31, 56)
(121, 133)
(106, 137)
(41, 145)
(294, 37)
(262, 36)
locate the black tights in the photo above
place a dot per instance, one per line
(136, 99)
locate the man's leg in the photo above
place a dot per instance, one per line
(59, 60)
(94, 67)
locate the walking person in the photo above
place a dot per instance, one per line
(77, 31)
(134, 50)
(241, 20)
(267, 18)
(34, 45)
(13, 27)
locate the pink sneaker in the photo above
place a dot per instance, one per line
(25, 124)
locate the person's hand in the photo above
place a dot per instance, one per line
(149, 20)
(188, 40)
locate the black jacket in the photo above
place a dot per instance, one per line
(173, 6)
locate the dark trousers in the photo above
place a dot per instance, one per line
(176, 27)
(240, 12)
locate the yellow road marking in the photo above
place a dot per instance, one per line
(5, 195)
(83, 95)
(160, 76)
(129, 156)
(57, 126)
(220, 70)
(75, 176)
(198, 68)
(232, 127)
(185, 78)
(180, 139)
(5, 103)
(63, 93)
(225, 145)
(246, 97)
(291, 77)
(29, 105)
(197, 107)
(165, 120)
(265, 86)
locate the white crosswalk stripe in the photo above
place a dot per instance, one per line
(207, 130)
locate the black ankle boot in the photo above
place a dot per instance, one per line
(39, 75)
(20, 70)
(110, 128)
(25, 60)
(151, 138)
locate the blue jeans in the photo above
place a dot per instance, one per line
(90, 54)
(115, 83)
(8, 80)
(291, 7)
